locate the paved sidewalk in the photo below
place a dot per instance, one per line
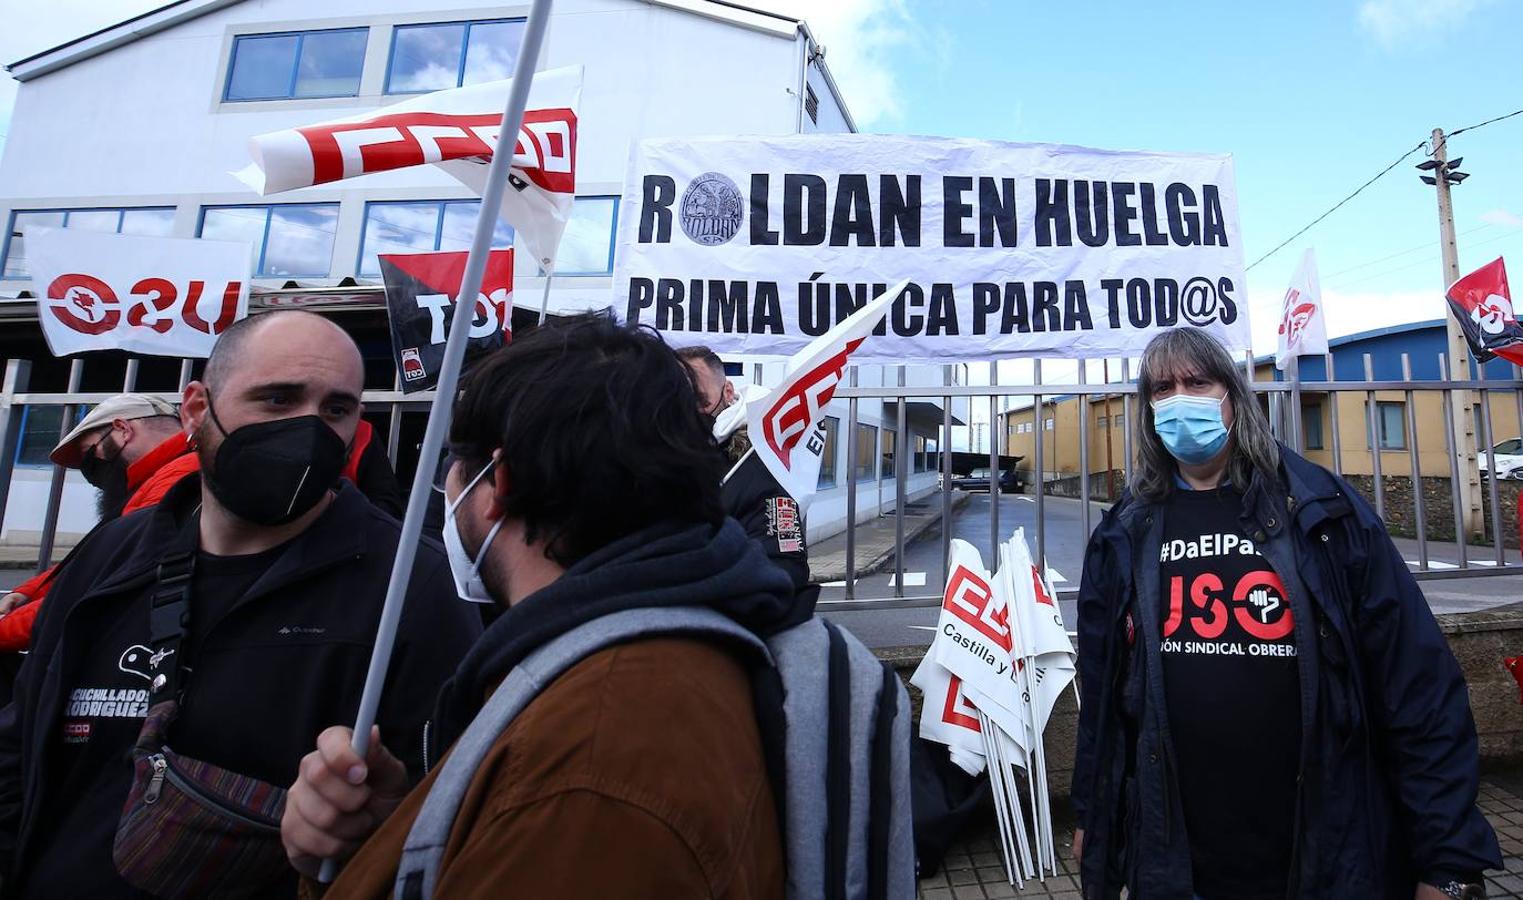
(974, 869)
(875, 540)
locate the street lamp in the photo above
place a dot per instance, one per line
(1449, 171)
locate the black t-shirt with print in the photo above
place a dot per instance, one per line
(90, 772)
(1233, 694)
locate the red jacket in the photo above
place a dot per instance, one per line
(149, 479)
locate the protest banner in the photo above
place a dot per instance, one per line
(457, 131)
(1303, 325)
(151, 295)
(420, 292)
(757, 245)
(1482, 305)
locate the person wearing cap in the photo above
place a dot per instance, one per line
(132, 449)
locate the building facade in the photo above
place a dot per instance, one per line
(137, 129)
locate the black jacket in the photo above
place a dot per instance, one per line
(772, 518)
(287, 661)
(1389, 766)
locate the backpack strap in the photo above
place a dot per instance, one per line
(423, 853)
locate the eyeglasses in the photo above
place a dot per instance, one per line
(441, 474)
(91, 451)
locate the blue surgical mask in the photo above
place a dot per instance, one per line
(1191, 428)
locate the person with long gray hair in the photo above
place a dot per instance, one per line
(1269, 709)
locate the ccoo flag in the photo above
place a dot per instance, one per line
(456, 130)
(1482, 305)
(1303, 325)
(793, 411)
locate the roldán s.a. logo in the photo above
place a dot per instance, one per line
(711, 210)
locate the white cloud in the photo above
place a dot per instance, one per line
(865, 40)
(1502, 217)
(1395, 23)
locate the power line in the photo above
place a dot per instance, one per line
(1451, 134)
(1357, 192)
(1423, 246)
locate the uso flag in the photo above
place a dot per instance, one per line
(780, 422)
(1482, 304)
(420, 297)
(455, 130)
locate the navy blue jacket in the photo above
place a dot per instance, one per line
(1389, 762)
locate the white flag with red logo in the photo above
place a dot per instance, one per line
(152, 295)
(456, 130)
(785, 426)
(1042, 646)
(1303, 325)
(947, 716)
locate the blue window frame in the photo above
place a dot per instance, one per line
(147, 220)
(405, 226)
(287, 239)
(442, 55)
(296, 65)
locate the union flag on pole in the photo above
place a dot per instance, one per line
(456, 130)
(784, 426)
(1303, 327)
(1482, 305)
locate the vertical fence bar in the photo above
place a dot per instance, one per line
(1372, 413)
(993, 476)
(946, 477)
(129, 379)
(1332, 421)
(55, 485)
(1083, 461)
(1491, 468)
(1297, 438)
(394, 426)
(1039, 417)
(1454, 463)
(186, 370)
(1419, 511)
(18, 374)
(851, 491)
(1126, 419)
(901, 477)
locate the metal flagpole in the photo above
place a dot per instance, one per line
(544, 300)
(449, 377)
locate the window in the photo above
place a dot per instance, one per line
(41, 429)
(831, 427)
(587, 246)
(1118, 420)
(918, 457)
(286, 240)
(422, 228)
(296, 65)
(148, 220)
(448, 55)
(1511, 448)
(886, 453)
(811, 104)
(1391, 422)
(1311, 425)
(1102, 422)
(867, 452)
(1047, 425)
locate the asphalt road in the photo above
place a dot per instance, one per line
(1066, 539)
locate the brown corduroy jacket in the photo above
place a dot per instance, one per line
(636, 774)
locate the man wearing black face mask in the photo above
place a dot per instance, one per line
(289, 567)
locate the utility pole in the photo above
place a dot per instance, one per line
(1459, 349)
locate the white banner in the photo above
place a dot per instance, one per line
(455, 130)
(152, 295)
(1303, 325)
(758, 245)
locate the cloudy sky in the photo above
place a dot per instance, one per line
(1312, 97)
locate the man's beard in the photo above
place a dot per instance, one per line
(113, 493)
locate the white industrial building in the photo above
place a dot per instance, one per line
(136, 128)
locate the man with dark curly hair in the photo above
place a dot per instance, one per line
(584, 484)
